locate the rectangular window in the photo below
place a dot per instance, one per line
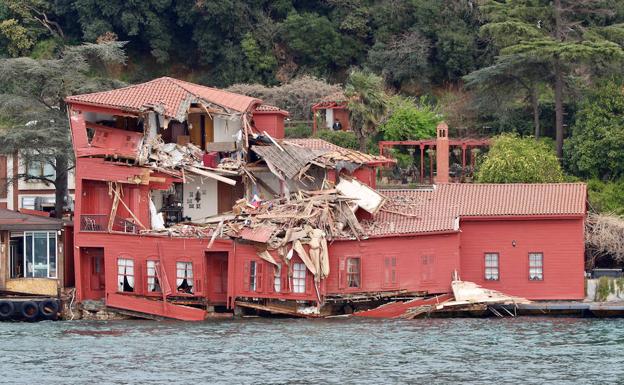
(125, 275)
(253, 276)
(184, 281)
(491, 267)
(39, 169)
(277, 278)
(33, 254)
(299, 278)
(353, 272)
(536, 266)
(153, 286)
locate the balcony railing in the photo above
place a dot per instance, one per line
(99, 223)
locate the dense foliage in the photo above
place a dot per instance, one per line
(488, 67)
(32, 94)
(409, 120)
(596, 146)
(512, 159)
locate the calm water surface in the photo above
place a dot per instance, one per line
(271, 351)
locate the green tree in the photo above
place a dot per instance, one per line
(368, 104)
(512, 159)
(595, 148)
(565, 33)
(512, 78)
(146, 23)
(408, 120)
(314, 44)
(32, 94)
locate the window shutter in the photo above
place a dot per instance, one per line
(386, 281)
(259, 276)
(393, 274)
(285, 282)
(342, 274)
(309, 282)
(246, 277)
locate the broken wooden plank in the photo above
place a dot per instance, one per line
(210, 174)
(220, 147)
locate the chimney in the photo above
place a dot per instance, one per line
(442, 154)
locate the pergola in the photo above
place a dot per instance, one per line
(430, 144)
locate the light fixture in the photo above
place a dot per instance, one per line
(513, 243)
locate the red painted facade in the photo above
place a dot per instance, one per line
(561, 241)
(271, 121)
(417, 253)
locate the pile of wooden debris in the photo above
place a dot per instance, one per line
(175, 159)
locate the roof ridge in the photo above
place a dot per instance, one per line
(120, 88)
(177, 81)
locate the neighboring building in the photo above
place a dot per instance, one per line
(270, 119)
(331, 109)
(17, 193)
(524, 240)
(36, 256)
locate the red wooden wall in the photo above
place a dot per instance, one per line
(416, 263)
(272, 123)
(560, 241)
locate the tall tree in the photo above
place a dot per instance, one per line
(35, 124)
(565, 33)
(368, 104)
(511, 78)
(595, 147)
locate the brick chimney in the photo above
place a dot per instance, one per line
(442, 154)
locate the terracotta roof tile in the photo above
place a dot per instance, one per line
(336, 153)
(437, 209)
(172, 95)
(269, 108)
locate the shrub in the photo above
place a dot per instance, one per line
(298, 131)
(409, 120)
(512, 159)
(345, 139)
(606, 197)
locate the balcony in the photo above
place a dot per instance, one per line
(99, 223)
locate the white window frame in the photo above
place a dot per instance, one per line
(125, 269)
(277, 278)
(536, 271)
(31, 273)
(187, 268)
(491, 271)
(299, 278)
(152, 277)
(253, 275)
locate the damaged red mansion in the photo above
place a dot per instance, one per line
(189, 201)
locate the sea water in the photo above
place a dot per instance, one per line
(295, 351)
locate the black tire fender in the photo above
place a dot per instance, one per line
(7, 309)
(29, 310)
(49, 308)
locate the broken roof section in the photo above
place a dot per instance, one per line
(291, 156)
(171, 97)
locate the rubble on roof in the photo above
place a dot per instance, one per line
(170, 157)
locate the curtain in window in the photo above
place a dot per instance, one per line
(125, 275)
(184, 280)
(152, 280)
